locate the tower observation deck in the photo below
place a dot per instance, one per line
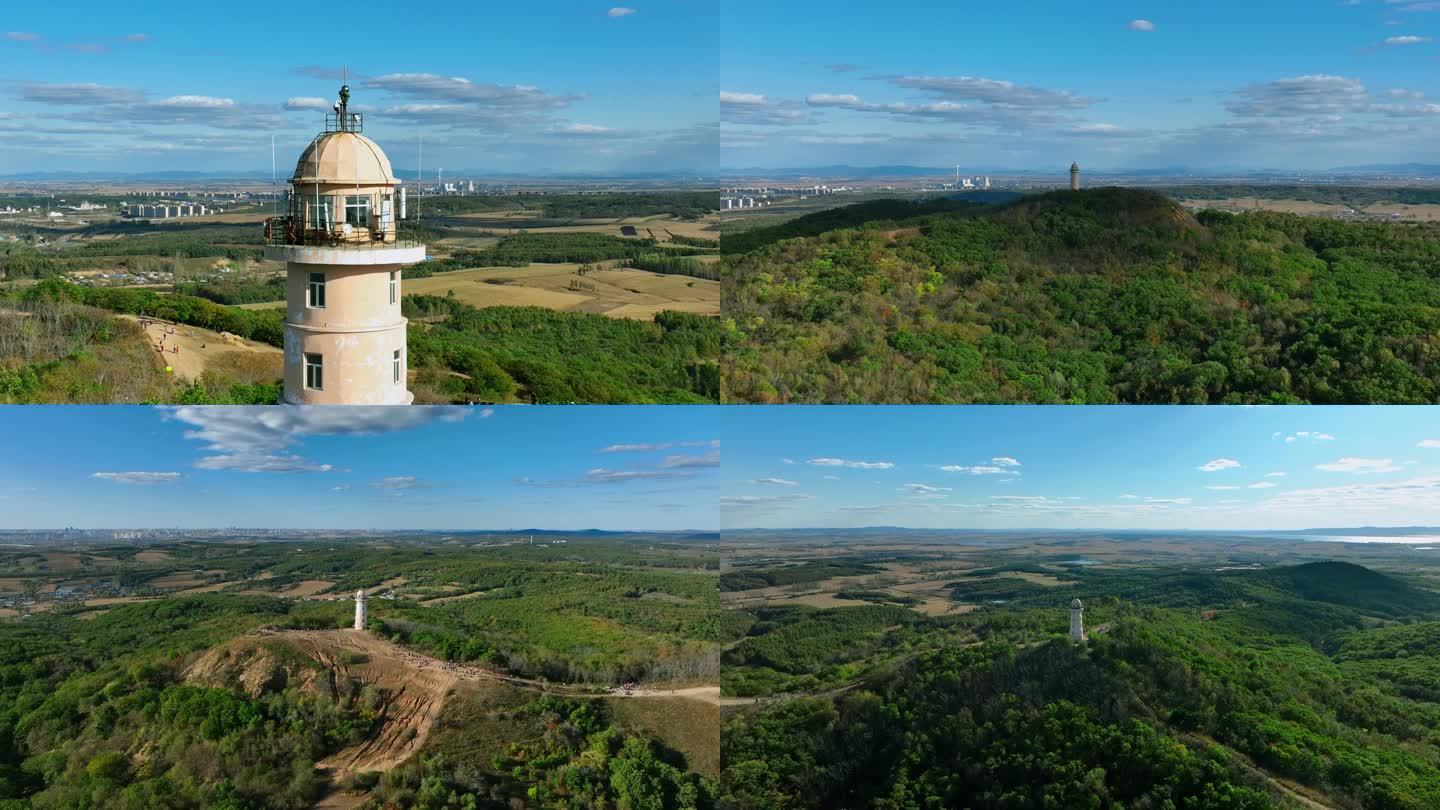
(344, 238)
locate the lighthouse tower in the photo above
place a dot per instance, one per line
(343, 244)
(360, 613)
(1077, 621)
(1074, 176)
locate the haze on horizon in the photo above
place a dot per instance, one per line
(554, 87)
(1165, 468)
(1292, 85)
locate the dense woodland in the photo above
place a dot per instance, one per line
(96, 710)
(462, 353)
(609, 205)
(1196, 689)
(1344, 195)
(1108, 295)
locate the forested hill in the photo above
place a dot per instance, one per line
(1106, 295)
(1231, 704)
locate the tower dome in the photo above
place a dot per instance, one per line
(344, 159)
(1075, 605)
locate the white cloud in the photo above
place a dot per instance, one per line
(252, 439)
(620, 11)
(656, 446)
(1223, 487)
(1263, 485)
(306, 103)
(486, 413)
(1430, 443)
(1128, 497)
(1218, 464)
(399, 482)
(1275, 475)
(774, 482)
(994, 468)
(138, 477)
(1360, 466)
(1004, 461)
(923, 489)
(854, 465)
(21, 36)
(1408, 39)
(340, 488)
(1141, 25)
(681, 461)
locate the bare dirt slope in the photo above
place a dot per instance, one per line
(197, 348)
(416, 686)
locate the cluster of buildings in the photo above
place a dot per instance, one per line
(732, 203)
(168, 210)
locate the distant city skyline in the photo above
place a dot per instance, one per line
(618, 468)
(552, 87)
(1294, 85)
(1077, 467)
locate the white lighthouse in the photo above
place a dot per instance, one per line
(343, 245)
(1074, 176)
(1077, 621)
(360, 613)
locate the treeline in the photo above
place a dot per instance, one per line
(521, 250)
(680, 204)
(559, 357)
(750, 578)
(19, 260)
(675, 266)
(874, 213)
(1110, 295)
(1335, 195)
(235, 292)
(262, 325)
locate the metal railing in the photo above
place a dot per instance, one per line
(292, 232)
(349, 122)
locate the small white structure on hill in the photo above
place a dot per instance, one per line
(1077, 621)
(360, 615)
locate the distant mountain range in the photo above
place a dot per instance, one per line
(843, 170)
(400, 171)
(1359, 531)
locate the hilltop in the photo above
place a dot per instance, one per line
(1107, 295)
(1307, 686)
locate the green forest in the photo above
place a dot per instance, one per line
(1241, 689)
(99, 708)
(1105, 296)
(462, 353)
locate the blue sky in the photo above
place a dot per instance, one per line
(1064, 467)
(1290, 84)
(624, 468)
(551, 85)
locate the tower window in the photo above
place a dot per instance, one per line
(320, 217)
(315, 291)
(314, 372)
(398, 367)
(357, 210)
(394, 286)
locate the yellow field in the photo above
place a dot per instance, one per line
(619, 293)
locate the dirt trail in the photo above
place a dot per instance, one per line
(417, 687)
(198, 348)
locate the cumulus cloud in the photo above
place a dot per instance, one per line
(620, 11)
(854, 465)
(1215, 465)
(1263, 485)
(1429, 443)
(1004, 461)
(138, 477)
(923, 489)
(1141, 25)
(251, 439)
(757, 110)
(1360, 466)
(1408, 39)
(979, 469)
